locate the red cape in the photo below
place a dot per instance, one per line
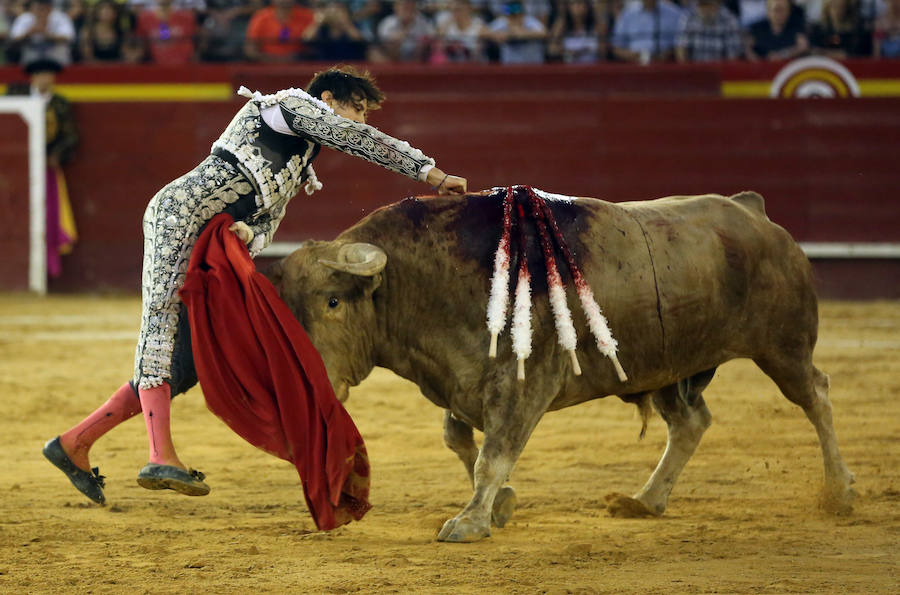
(263, 377)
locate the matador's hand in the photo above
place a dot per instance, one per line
(446, 183)
(242, 230)
(453, 185)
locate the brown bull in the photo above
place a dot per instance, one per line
(686, 283)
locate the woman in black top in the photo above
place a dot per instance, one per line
(104, 32)
(841, 33)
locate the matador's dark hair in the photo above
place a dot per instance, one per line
(346, 83)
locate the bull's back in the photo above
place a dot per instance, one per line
(724, 274)
(675, 278)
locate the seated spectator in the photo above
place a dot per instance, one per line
(80, 10)
(43, 33)
(575, 37)
(708, 33)
(333, 35)
(366, 15)
(197, 6)
(167, 34)
(405, 36)
(103, 35)
(646, 32)
(886, 43)
(753, 11)
(841, 33)
(224, 28)
(459, 34)
(777, 37)
(519, 37)
(275, 34)
(811, 9)
(4, 30)
(750, 11)
(538, 9)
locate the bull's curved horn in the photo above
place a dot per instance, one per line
(365, 260)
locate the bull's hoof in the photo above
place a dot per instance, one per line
(625, 507)
(458, 530)
(504, 506)
(837, 500)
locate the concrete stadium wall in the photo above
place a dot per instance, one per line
(827, 168)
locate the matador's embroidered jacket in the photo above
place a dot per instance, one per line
(279, 164)
(253, 172)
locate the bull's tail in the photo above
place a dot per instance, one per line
(750, 200)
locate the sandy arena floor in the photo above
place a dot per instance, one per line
(743, 518)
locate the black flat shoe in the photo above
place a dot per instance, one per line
(91, 485)
(168, 477)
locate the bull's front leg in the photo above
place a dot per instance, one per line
(459, 438)
(508, 423)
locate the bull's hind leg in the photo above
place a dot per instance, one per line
(687, 418)
(807, 386)
(459, 438)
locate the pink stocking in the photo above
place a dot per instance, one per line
(156, 402)
(122, 405)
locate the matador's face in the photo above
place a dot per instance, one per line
(356, 109)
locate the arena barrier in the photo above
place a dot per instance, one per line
(825, 167)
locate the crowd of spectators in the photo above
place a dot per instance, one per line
(440, 31)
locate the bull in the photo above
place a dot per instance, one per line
(687, 283)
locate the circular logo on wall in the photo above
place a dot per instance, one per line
(814, 77)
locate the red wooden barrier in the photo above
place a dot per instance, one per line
(14, 239)
(827, 168)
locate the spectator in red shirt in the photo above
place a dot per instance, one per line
(275, 34)
(167, 34)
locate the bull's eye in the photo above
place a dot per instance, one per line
(333, 302)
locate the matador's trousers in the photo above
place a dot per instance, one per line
(173, 221)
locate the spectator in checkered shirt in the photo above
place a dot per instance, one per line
(708, 33)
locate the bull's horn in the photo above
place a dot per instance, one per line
(365, 260)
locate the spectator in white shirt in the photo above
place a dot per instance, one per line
(646, 32)
(405, 35)
(519, 36)
(459, 33)
(43, 33)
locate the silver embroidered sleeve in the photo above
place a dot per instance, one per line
(359, 140)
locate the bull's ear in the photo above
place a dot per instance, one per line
(365, 260)
(275, 273)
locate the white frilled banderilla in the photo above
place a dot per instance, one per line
(545, 222)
